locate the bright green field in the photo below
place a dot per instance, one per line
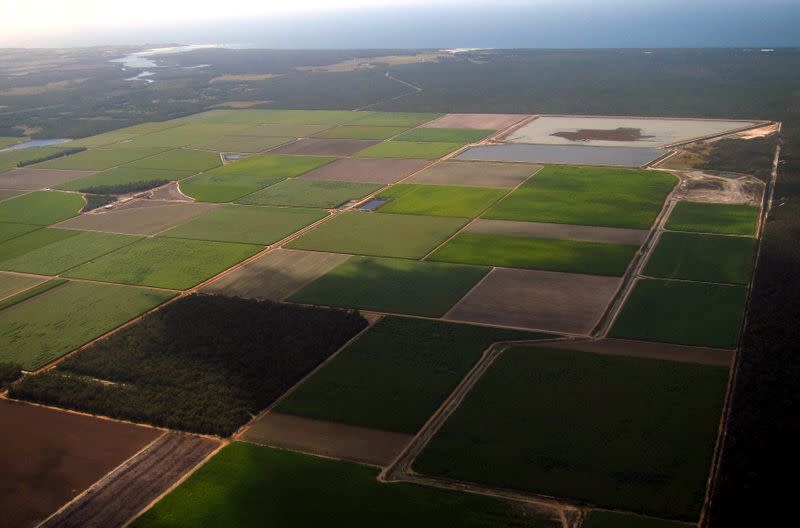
(409, 149)
(687, 313)
(392, 285)
(41, 207)
(182, 135)
(245, 485)
(396, 119)
(445, 135)
(165, 262)
(121, 176)
(9, 231)
(233, 181)
(605, 519)
(243, 143)
(384, 235)
(98, 159)
(412, 366)
(48, 326)
(713, 218)
(67, 250)
(247, 224)
(181, 160)
(310, 193)
(439, 200)
(588, 196)
(570, 256)
(619, 432)
(708, 258)
(361, 132)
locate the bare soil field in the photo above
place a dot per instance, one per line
(331, 439)
(32, 179)
(324, 147)
(169, 192)
(5, 194)
(537, 300)
(476, 174)
(276, 275)
(115, 500)
(699, 186)
(49, 457)
(611, 235)
(367, 170)
(139, 217)
(476, 121)
(651, 350)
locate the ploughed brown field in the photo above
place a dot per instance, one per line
(616, 134)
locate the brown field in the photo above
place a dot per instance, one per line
(139, 217)
(651, 350)
(476, 121)
(276, 275)
(5, 194)
(324, 147)
(476, 174)
(125, 492)
(169, 192)
(49, 457)
(318, 437)
(365, 170)
(32, 179)
(538, 300)
(610, 235)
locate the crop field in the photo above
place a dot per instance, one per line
(98, 159)
(608, 235)
(29, 294)
(713, 218)
(246, 485)
(444, 135)
(365, 170)
(11, 284)
(324, 147)
(9, 231)
(40, 208)
(588, 196)
(361, 132)
(707, 258)
(383, 235)
(32, 179)
(439, 200)
(688, 313)
(5, 194)
(122, 176)
(476, 173)
(618, 432)
(413, 365)
(569, 256)
(11, 158)
(282, 130)
(242, 143)
(397, 119)
(180, 136)
(33, 241)
(297, 192)
(141, 217)
(179, 160)
(49, 325)
(392, 285)
(476, 121)
(165, 262)
(409, 149)
(244, 177)
(282, 117)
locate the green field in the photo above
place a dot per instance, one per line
(242, 143)
(165, 262)
(708, 258)
(361, 132)
(10, 159)
(310, 193)
(588, 196)
(439, 200)
(247, 176)
(281, 130)
(396, 119)
(569, 256)
(277, 116)
(392, 285)
(412, 366)
(246, 224)
(409, 149)
(620, 432)
(41, 207)
(445, 135)
(182, 135)
(6, 142)
(98, 159)
(9, 230)
(245, 485)
(713, 218)
(180, 160)
(121, 134)
(30, 293)
(122, 176)
(48, 326)
(606, 519)
(33, 241)
(687, 313)
(383, 235)
(11, 284)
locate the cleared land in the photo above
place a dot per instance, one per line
(384, 235)
(32, 179)
(627, 433)
(179, 159)
(310, 193)
(588, 196)
(713, 218)
(139, 217)
(559, 302)
(40, 207)
(708, 258)
(569, 256)
(444, 135)
(247, 224)
(246, 485)
(476, 173)
(609, 235)
(476, 121)
(324, 147)
(98, 159)
(122, 176)
(50, 456)
(439, 200)
(384, 171)
(48, 326)
(361, 132)
(276, 274)
(243, 143)
(11, 284)
(165, 262)
(688, 313)
(413, 365)
(392, 285)
(409, 149)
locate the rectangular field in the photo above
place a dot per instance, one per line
(122, 176)
(724, 219)
(439, 200)
(11, 230)
(445, 135)
(11, 284)
(41, 207)
(139, 217)
(708, 258)
(32, 179)
(296, 192)
(476, 121)
(608, 235)
(361, 132)
(563, 155)
(242, 143)
(324, 147)
(409, 149)
(98, 159)
(382, 171)
(476, 174)
(398, 119)
(179, 159)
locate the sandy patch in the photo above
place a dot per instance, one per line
(699, 186)
(367, 170)
(32, 179)
(476, 121)
(760, 132)
(610, 235)
(138, 217)
(324, 147)
(476, 174)
(649, 350)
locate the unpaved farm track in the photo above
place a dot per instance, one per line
(127, 490)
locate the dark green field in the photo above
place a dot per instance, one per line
(708, 258)
(439, 200)
(714, 218)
